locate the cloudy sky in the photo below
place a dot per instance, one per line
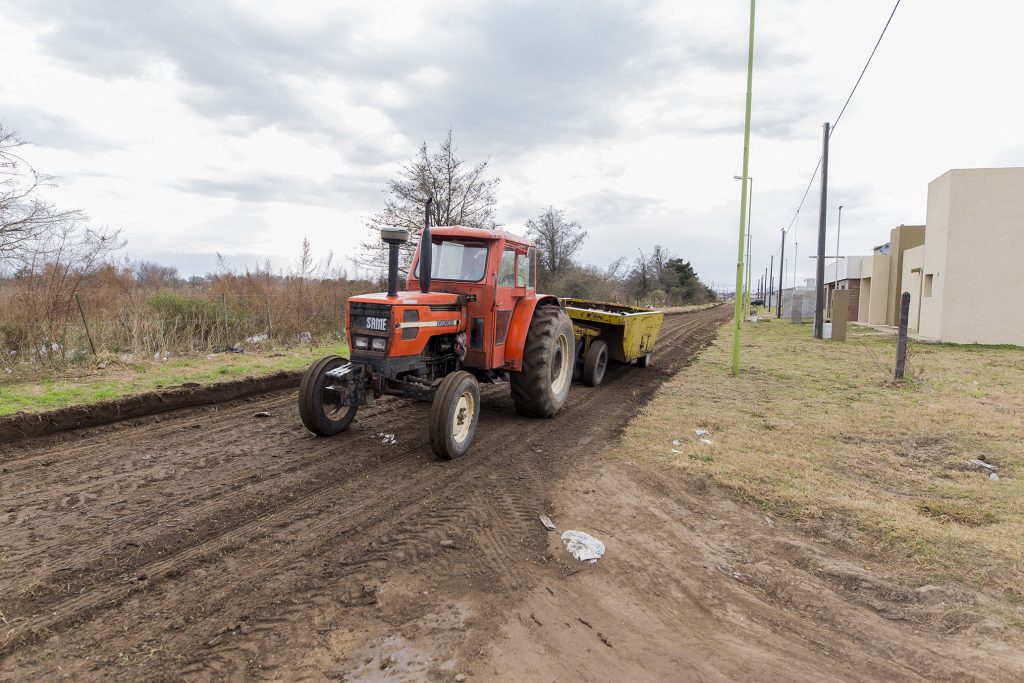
(239, 127)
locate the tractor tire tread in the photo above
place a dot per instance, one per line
(531, 388)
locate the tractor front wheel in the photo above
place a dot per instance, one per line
(454, 415)
(323, 417)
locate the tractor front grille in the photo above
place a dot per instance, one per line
(370, 317)
(369, 322)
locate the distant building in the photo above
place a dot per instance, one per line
(804, 295)
(844, 274)
(882, 274)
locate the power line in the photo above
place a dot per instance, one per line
(866, 65)
(849, 97)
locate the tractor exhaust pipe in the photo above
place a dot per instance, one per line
(394, 238)
(426, 249)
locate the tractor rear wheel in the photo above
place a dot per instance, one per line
(320, 417)
(454, 415)
(596, 363)
(548, 360)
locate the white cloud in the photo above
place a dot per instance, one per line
(240, 127)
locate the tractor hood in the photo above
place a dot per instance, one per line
(407, 298)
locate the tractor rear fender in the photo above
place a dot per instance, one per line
(520, 327)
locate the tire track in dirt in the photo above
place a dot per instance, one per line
(327, 522)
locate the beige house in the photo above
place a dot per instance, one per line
(874, 287)
(970, 266)
(913, 279)
(964, 271)
(901, 239)
(881, 276)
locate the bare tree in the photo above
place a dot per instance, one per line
(25, 217)
(558, 239)
(463, 195)
(154, 275)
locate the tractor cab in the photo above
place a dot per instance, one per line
(493, 272)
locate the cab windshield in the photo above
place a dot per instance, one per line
(456, 259)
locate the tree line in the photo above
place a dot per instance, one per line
(464, 194)
(56, 268)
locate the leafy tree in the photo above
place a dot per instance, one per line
(667, 278)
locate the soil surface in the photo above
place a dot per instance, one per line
(210, 543)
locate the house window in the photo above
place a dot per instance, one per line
(928, 284)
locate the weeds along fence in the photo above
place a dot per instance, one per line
(39, 329)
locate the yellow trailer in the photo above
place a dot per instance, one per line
(606, 331)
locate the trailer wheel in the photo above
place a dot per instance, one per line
(454, 415)
(577, 367)
(320, 417)
(643, 361)
(596, 363)
(548, 360)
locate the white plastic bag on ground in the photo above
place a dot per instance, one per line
(582, 545)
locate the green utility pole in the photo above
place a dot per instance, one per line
(738, 312)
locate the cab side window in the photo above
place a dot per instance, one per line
(507, 272)
(523, 271)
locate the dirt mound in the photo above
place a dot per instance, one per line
(25, 425)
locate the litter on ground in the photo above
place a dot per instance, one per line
(582, 545)
(548, 524)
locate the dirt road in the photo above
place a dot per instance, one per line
(209, 544)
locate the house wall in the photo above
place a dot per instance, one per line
(913, 263)
(976, 269)
(854, 310)
(901, 239)
(874, 289)
(934, 262)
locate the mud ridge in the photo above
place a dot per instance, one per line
(27, 425)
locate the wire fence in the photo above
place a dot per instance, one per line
(83, 325)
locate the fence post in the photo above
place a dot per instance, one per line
(224, 306)
(901, 341)
(85, 322)
(266, 300)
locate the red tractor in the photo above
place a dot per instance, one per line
(470, 313)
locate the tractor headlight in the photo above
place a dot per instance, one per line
(360, 342)
(378, 343)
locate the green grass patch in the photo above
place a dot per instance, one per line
(123, 379)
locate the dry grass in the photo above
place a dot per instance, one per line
(816, 432)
